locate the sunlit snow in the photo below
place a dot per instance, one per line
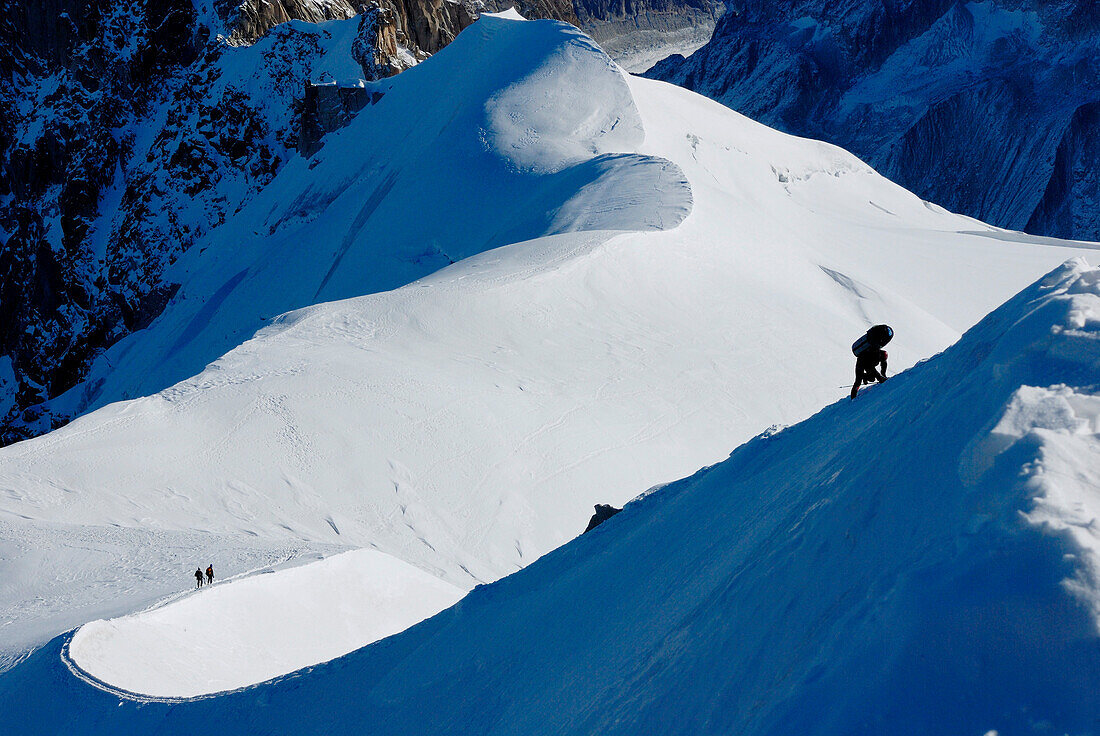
(597, 284)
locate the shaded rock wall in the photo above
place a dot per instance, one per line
(637, 33)
(329, 107)
(1069, 202)
(980, 107)
(123, 140)
(562, 10)
(253, 18)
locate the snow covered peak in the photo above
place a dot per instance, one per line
(574, 105)
(430, 143)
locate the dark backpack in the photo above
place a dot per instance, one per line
(876, 337)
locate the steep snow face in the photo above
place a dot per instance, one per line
(912, 562)
(987, 108)
(624, 306)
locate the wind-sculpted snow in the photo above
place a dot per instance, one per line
(258, 627)
(587, 110)
(437, 142)
(615, 324)
(921, 560)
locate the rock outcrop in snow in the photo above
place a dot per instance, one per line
(986, 108)
(377, 46)
(252, 19)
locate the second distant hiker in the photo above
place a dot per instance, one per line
(870, 356)
(209, 574)
(603, 513)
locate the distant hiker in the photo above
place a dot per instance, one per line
(870, 356)
(210, 574)
(198, 578)
(603, 513)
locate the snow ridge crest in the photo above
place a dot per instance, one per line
(1053, 415)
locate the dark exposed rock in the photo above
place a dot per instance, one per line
(562, 10)
(381, 46)
(329, 107)
(637, 33)
(605, 10)
(375, 46)
(429, 25)
(1069, 202)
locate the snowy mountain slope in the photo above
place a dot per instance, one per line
(130, 131)
(59, 574)
(917, 561)
(224, 638)
(489, 170)
(466, 422)
(987, 108)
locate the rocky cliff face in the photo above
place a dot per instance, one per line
(562, 10)
(80, 74)
(381, 47)
(251, 19)
(986, 108)
(638, 33)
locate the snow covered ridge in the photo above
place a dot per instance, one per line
(491, 171)
(1056, 418)
(250, 630)
(432, 144)
(883, 566)
(587, 308)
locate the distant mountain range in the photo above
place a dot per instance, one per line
(991, 109)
